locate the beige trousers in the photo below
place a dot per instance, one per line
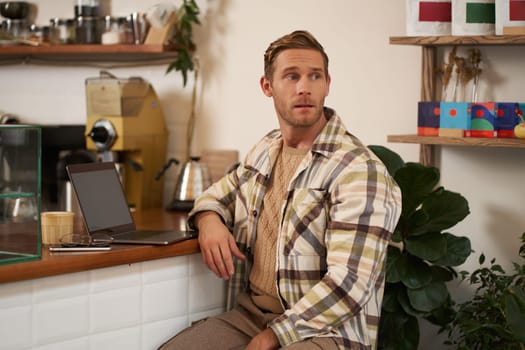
(233, 330)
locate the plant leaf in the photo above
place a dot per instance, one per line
(394, 265)
(430, 246)
(442, 316)
(458, 250)
(183, 38)
(411, 271)
(390, 159)
(415, 273)
(481, 259)
(445, 274)
(390, 303)
(416, 182)
(443, 209)
(402, 300)
(397, 236)
(182, 63)
(398, 331)
(515, 311)
(428, 297)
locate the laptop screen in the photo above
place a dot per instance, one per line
(101, 197)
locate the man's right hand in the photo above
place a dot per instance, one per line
(217, 244)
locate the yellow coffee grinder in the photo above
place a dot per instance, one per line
(125, 124)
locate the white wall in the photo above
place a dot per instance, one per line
(375, 87)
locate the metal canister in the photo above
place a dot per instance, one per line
(88, 30)
(87, 8)
(18, 28)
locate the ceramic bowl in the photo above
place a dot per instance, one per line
(14, 9)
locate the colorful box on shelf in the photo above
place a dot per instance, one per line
(428, 17)
(428, 118)
(466, 119)
(506, 118)
(510, 17)
(473, 17)
(454, 118)
(482, 120)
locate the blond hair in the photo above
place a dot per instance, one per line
(299, 39)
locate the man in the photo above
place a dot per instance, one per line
(300, 229)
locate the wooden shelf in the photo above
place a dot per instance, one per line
(83, 49)
(458, 141)
(458, 40)
(429, 46)
(87, 53)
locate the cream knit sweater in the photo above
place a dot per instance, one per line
(263, 277)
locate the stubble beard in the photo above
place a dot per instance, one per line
(295, 119)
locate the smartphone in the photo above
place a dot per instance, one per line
(79, 249)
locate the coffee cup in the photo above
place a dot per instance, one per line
(56, 224)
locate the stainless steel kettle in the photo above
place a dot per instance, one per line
(194, 178)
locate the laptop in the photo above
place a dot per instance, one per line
(104, 208)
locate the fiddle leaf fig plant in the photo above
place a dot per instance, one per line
(187, 15)
(422, 255)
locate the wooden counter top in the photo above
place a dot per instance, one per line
(60, 263)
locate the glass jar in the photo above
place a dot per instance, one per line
(110, 24)
(40, 34)
(124, 25)
(111, 34)
(62, 31)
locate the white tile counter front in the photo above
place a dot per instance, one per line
(134, 306)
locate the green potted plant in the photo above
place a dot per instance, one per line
(187, 16)
(422, 256)
(494, 318)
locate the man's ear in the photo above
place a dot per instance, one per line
(266, 86)
(328, 81)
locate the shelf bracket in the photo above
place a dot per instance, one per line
(428, 93)
(426, 155)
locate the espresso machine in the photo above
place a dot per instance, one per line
(125, 124)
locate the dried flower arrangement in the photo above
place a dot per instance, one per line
(465, 71)
(446, 73)
(475, 60)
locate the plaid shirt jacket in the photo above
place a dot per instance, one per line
(335, 225)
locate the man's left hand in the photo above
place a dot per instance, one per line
(266, 340)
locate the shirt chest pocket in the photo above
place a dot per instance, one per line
(306, 222)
